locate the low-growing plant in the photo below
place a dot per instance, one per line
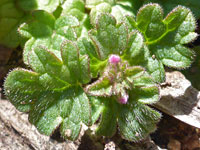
(98, 60)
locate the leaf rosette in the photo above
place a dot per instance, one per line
(52, 93)
(108, 38)
(57, 93)
(120, 93)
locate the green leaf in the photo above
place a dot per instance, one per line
(143, 81)
(30, 5)
(136, 122)
(70, 57)
(165, 38)
(85, 69)
(177, 57)
(87, 48)
(66, 21)
(93, 3)
(96, 11)
(119, 9)
(22, 87)
(74, 4)
(51, 102)
(108, 122)
(147, 95)
(134, 72)
(101, 87)
(156, 69)
(149, 21)
(50, 82)
(135, 49)
(108, 37)
(170, 4)
(79, 67)
(68, 109)
(80, 112)
(144, 90)
(45, 114)
(43, 61)
(45, 30)
(135, 44)
(96, 108)
(10, 19)
(76, 8)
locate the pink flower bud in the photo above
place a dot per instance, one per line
(114, 59)
(124, 99)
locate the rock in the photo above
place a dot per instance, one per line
(179, 99)
(17, 133)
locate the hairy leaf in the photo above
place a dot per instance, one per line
(45, 30)
(22, 87)
(122, 92)
(165, 38)
(52, 94)
(108, 122)
(76, 8)
(117, 8)
(168, 5)
(136, 122)
(106, 32)
(79, 67)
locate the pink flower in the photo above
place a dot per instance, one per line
(114, 59)
(123, 99)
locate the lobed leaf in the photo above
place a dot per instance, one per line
(170, 4)
(108, 122)
(122, 92)
(116, 8)
(67, 109)
(93, 3)
(76, 8)
(102, 87)
(135, 72)
(43, 61)
(22, 88)
(96, 108)
(47, 31)
(165, 38)
(51, 102)
(79, 67)
(106, 32)
(135, 123)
